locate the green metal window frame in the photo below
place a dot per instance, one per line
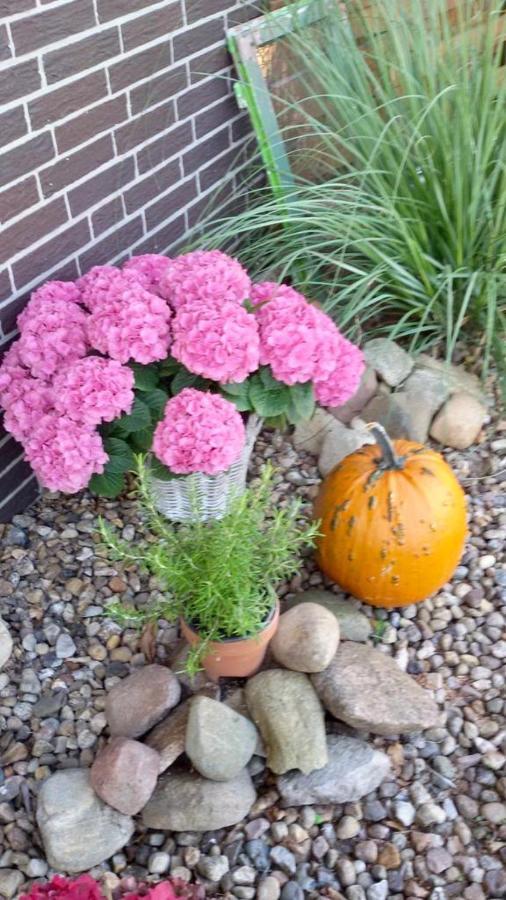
(252, 92)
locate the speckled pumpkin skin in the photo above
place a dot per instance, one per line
(391, 537)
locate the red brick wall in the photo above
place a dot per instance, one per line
(117, 124)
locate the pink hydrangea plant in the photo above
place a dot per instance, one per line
(41, 299)
(292, 337)
(340, 383)
(133, 324)
(149, 269)
(217, 342)
(64, 454)
(103, 283)
(209, 276)
(199, 432)
(94, 390)
(52, 334)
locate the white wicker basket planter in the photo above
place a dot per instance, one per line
(212, 494)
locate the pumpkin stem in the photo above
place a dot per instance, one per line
(390, 460)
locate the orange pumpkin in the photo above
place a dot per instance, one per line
(393, 522)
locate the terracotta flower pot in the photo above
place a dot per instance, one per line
(235, 657)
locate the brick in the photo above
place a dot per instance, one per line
(209, 63)
(64, 101)
(101, 186)
(207, 150)
(17, 198)
(147, 189)
(216, 115)
(165, 147)
(48, 255)
(69, 169)
(13, 481)
(24, 496)
(74, 58)
(25, 158)
(198, 9)
(113, 9)
(10, 7)
(156, 24)
(111, 213)
(139, 130)
(140, 65)
(52, 25)
(9, 451)
(218, 169)
(158, 89)
(110, 247)
(93, 121)
(5, 286)
(12, 125)
(166, 206)
(241, 128)
(200, 96)
(242, 14)
(32, 228)
(163, 239)
(5, 50)
(18, 81)
(194, 39)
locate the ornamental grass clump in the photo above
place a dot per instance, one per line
(168, 356)
(220, 576)
(402, 229)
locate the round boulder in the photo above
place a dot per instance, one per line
(307, 638)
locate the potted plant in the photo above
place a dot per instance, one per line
(220, 576)
(182, 358)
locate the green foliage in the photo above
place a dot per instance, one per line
(220, 575)
(407, 233)
(270, 399)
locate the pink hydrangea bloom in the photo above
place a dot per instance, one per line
(217, 342)
(149, 269)
(24, 399)
(41, 299)
(200, 432)
(102, 283)
(267, 290)
(296, 338)
(64, 454)
(133, 324)
(207, 275)
(94, 390)
(341, 383)
(53, 333)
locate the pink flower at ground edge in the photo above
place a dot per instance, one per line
(64, 454)
(84, 887)
(341, 383)
(200, 432)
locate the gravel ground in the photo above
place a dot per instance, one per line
(436, 830)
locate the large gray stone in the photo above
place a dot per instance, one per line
(366, 689)
(339, 442)
(124, 774)
(459, 422)
(389, 360)
(219, 741)
(310, 434)
(236, 699)
(5, 644)
(365, 392)
(287, 711)
(169, 736)
(422, 395)
(456, 378)
(77, 829)
(354, 769)
(141, 700)
(392, 414)
(184, 801)
(353, 624)
(307, 638)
